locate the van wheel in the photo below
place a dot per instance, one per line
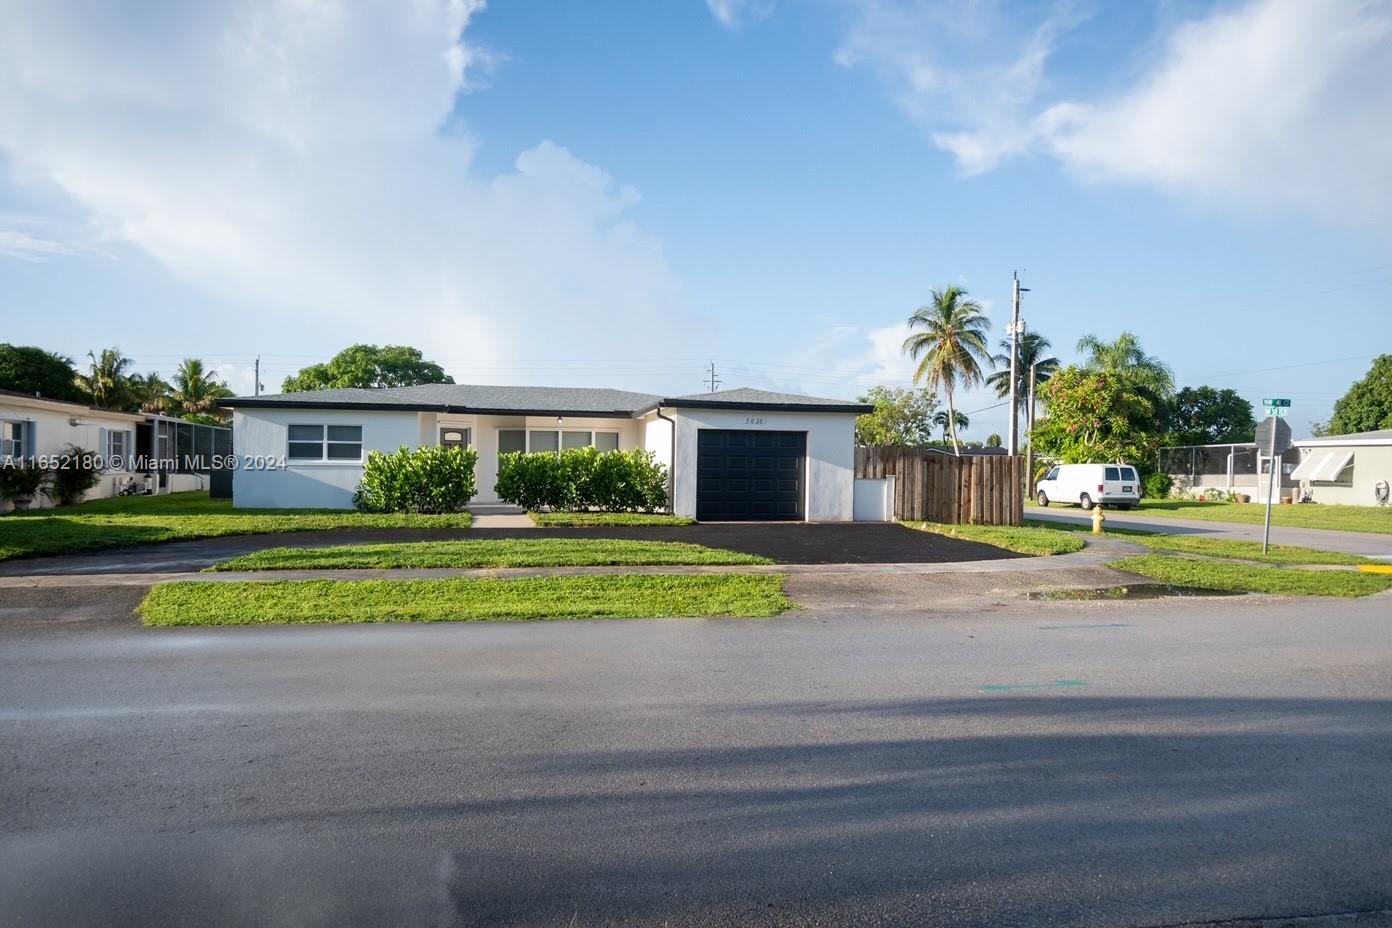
(1085, 501)
(1043, 500)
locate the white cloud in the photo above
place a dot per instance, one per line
(290, 153)
(732, 14)
(25, 247)
(1276, 102)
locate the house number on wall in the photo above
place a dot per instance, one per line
(753, 420)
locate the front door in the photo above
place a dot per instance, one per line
(451, 437)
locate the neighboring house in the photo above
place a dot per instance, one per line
(1232, 468)
(131, 444)
(1354, 469)
(732, 455)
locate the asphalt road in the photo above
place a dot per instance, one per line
(1201, 760)
(1368, 544)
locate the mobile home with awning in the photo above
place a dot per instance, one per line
(1352, 470)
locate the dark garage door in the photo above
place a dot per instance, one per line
(747, 475)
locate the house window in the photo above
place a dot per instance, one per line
(12, 440)
(118, 449)
(325, 443)
(455, 438)
(555, 440)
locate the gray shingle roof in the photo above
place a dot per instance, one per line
(535, 400)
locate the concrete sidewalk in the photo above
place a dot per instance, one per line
(1366, 544)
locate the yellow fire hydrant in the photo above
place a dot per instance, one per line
(1097, 519)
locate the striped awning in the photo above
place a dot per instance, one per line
(1322, 466)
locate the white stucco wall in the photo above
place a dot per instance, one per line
(54, 433)
(310, 485)
(829, 482)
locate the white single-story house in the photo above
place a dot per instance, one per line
(1355, 470)
(162, 454)
(732, 455)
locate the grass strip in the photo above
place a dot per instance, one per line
(297, 602)
(1303, 515)
(1220, 547)
(1245, 578)
(518, 552)
(1033, 540)
(139, 520)
(570, 519)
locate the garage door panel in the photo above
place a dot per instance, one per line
(750, 475)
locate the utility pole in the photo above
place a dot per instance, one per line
(256, 385)
(1015, 329)
(713, 382)
(1029, 435)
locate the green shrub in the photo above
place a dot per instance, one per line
(21, 479)
(1158, 486)
(78, 470)
(430, 479)
(583, 478)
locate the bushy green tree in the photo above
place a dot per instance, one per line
(1094, 417)
(949, 343)
(1208, 416)
(1367, 405)
(196, 389)
(368, 366)
(107, 382)
(30, 370)
(901, 417)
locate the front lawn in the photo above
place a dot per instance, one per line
(345, 601)
(572, 519)
(139, 520)
(1027, 539)
(1243, 550)
(1246, 578)
(512, 552)
(1304, 515)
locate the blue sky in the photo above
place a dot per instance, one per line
(615, 193)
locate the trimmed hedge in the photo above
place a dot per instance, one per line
(430, 479)
(583, 478)
(1158, 486)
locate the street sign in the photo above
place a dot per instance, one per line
(1273, 436)
(1276, 407)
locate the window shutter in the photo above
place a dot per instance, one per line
(102, 447)
(31, 439)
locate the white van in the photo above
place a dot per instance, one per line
(1089, 485)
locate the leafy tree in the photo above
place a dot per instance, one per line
(1367, 405)
(1033, 348)
(197, 390)
(901, 417)
(1096, 416)
(1208, 416)
(368, 366)
(106, 381)
(993, 440)
(952, 346)
(1125, 358)
(956, 421)
(30, 370)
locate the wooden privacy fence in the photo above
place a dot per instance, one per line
(937, 487)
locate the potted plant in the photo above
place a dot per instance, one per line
(1244, 497)
(19, 481)
(77, 472)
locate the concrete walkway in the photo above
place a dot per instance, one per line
(1367, 544)
(500, 515)
(1098, 552)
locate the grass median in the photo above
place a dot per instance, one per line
(299, 602)
(1228, 548)
(1301, 515)
(1022, 539)
(139, 520)
(1247, 578)
(573, 519)
(490, 553)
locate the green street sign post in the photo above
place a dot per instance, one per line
(1277, 407)
(1276, 436)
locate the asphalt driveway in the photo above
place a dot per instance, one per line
(784, 543)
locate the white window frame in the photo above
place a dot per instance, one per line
(117, 461)
(14, 449)
(560, 439)
(324, 442)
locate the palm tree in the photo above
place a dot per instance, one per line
(1125, 358)
(942, 421)
(1033, 350)
(952, 346)
(106, 381)
(197, 390)
(151, 392)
